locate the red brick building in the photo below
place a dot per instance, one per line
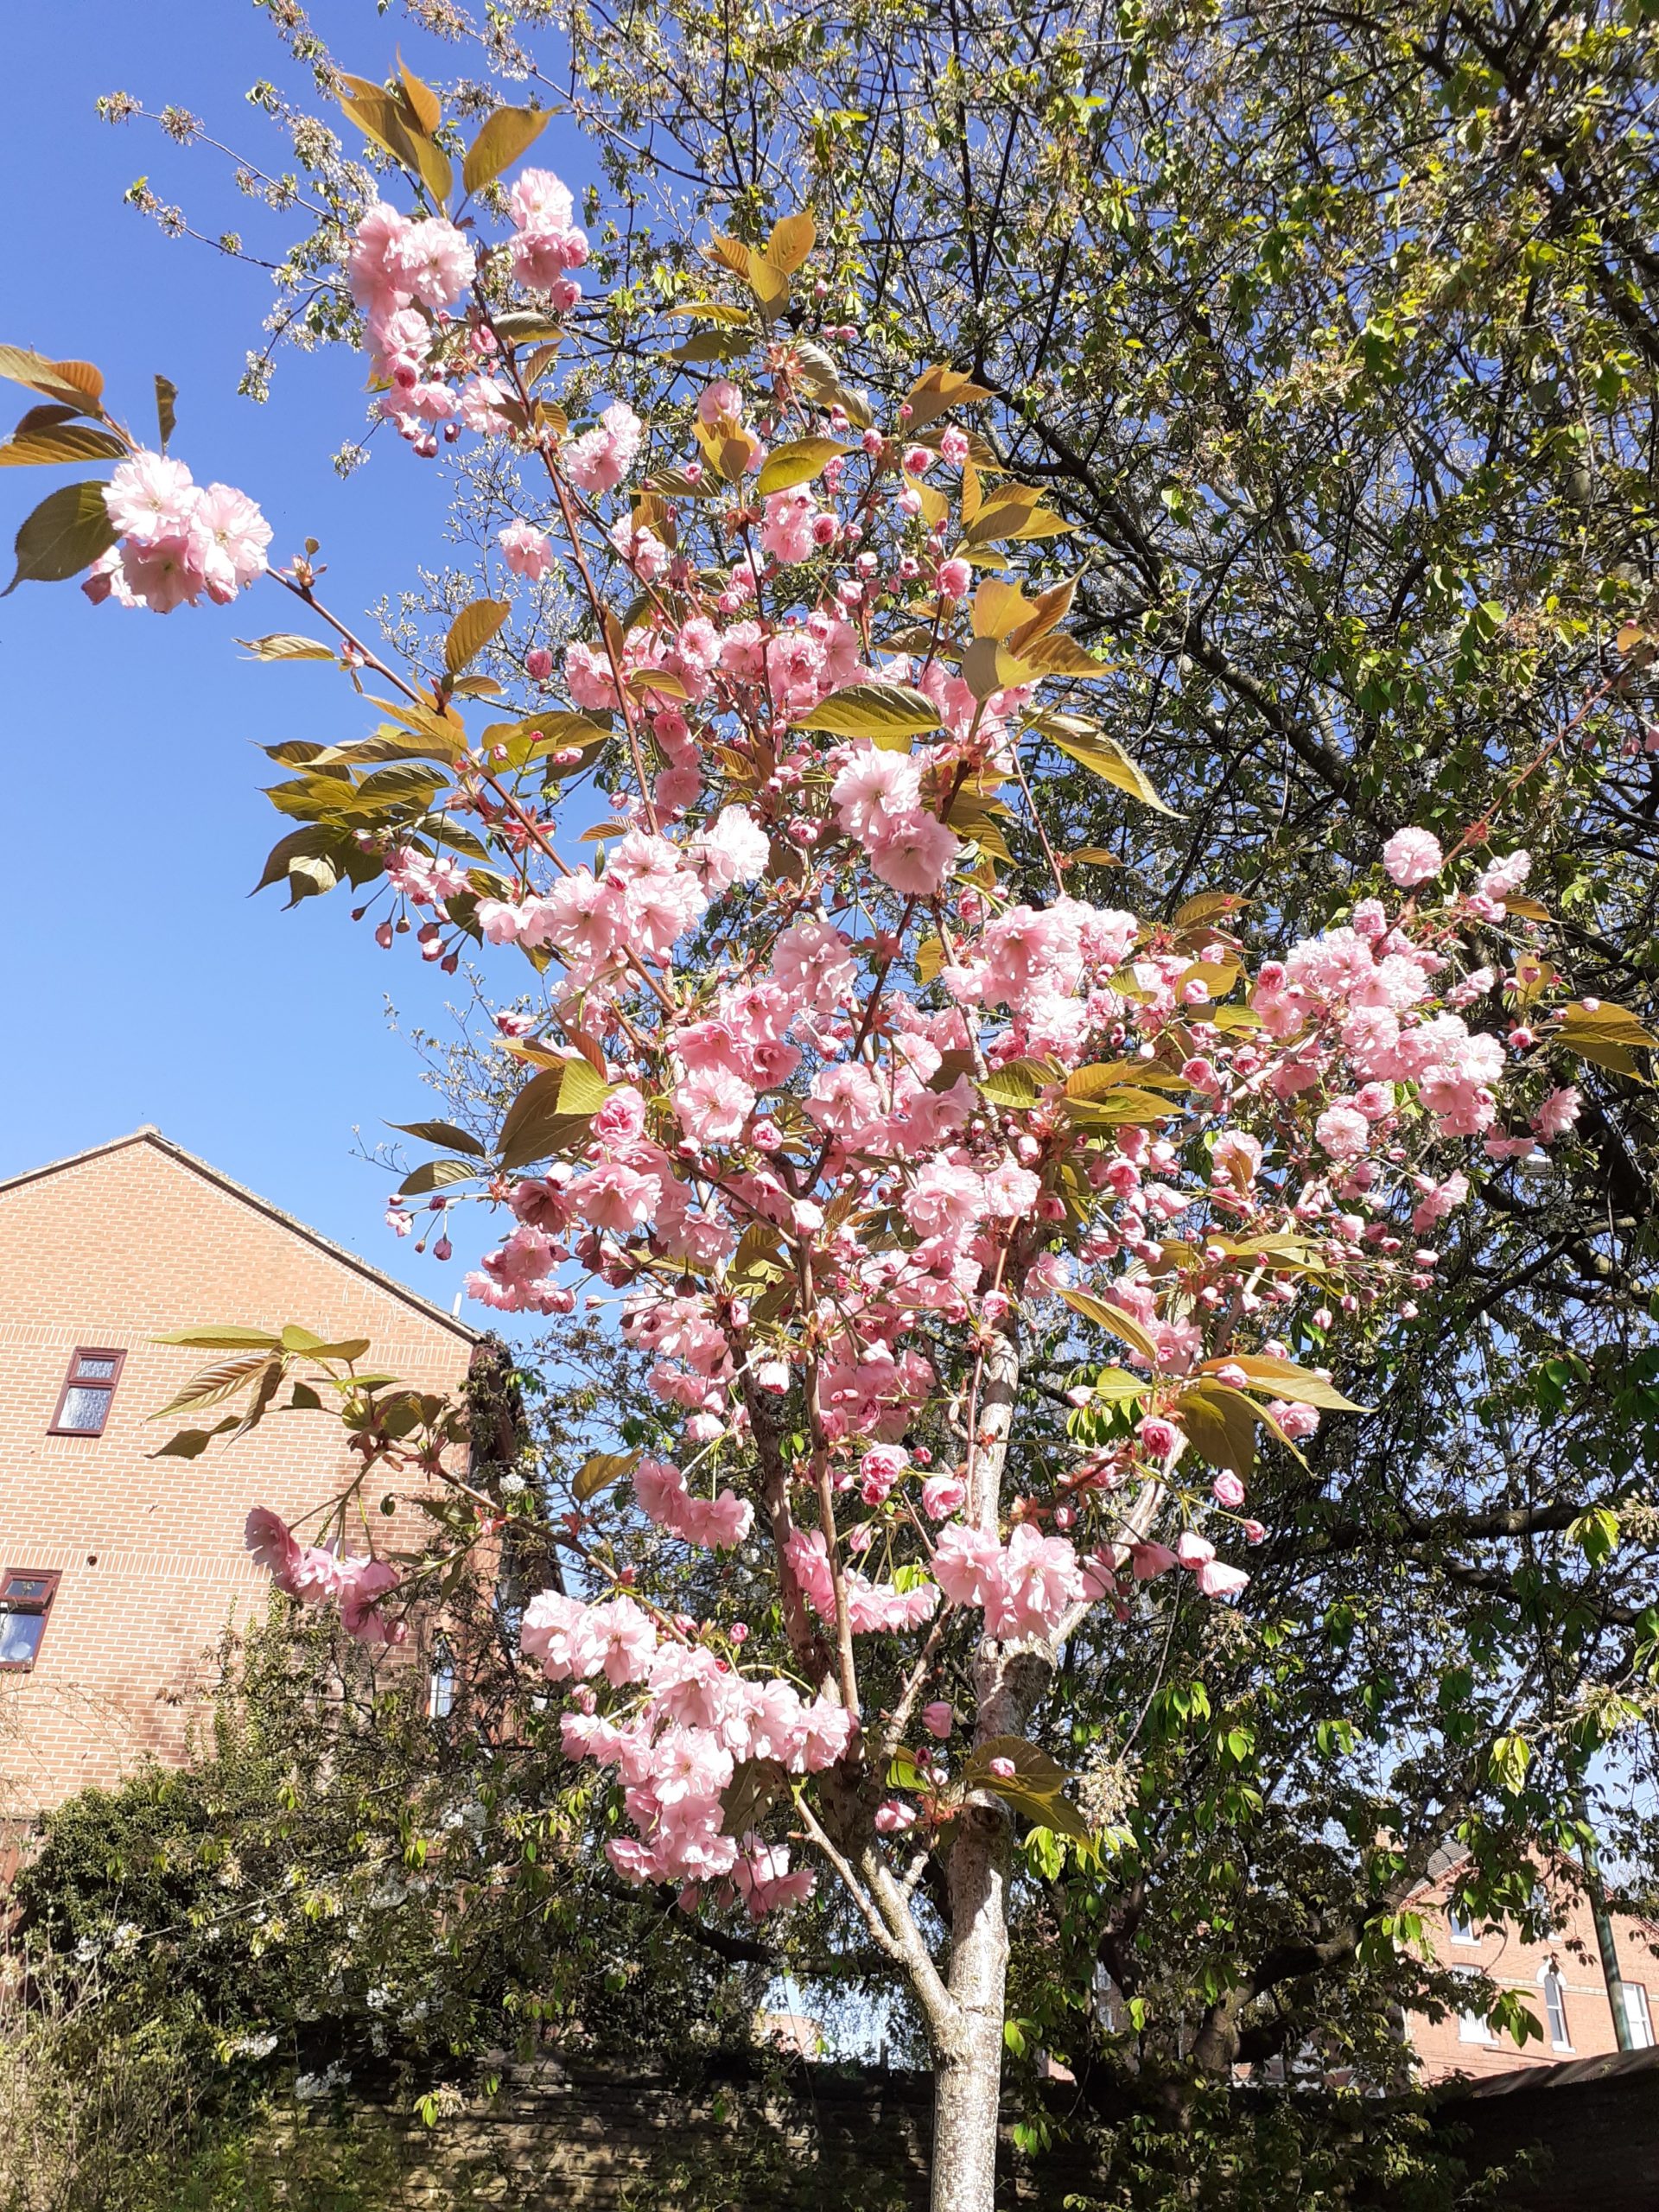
(1560, 1976)
(121, 1570)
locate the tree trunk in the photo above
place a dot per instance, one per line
(968, 2066)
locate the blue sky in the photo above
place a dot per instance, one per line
(145, 984)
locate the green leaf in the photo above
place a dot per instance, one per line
(1036, 1788)
(508, 133)
(286, 645)
(442, 1133)
(471, 631)
(1282, 1378)
(435, 1175)
(51, 444)
(582, 1089)
(798, 462)
(229, 1337)
(226, 1379)
(66, 533)
(1018, 1084)
(1112, 1317)
(534, 1126)
(601, 1469)
(191, 1443)
(747, 1798)
(1596, 1533)
(167, 393)
(1115, 1384)
(877, 711)
(1102, 756)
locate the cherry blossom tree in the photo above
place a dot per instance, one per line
(858, 1149)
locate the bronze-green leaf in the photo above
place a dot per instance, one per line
(442, 1133)
(878, 711)
(286, 645)
(601, 1469)
(508, 133)
(798, 462)
(471, 631)
(52, 444)
(66, 533)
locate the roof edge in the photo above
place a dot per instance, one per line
(149, 1134)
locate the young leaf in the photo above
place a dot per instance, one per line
(435, 1175)
(285, 644)
(471, 631)
(601, 1469)
(167, 393)
(508, 133)
(1036, 1788)
(792, 239)
(52, 444)
(230, 1338)
(66, 533)
(798, 462)
(422, 100)
(1283, 1378)
(442, 1133)
(873, 710)
(1114, 1318)
(1105, 757)
(70, 383)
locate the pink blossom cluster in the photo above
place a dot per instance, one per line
(678, 1742)
(179, 539)
(316, 1576)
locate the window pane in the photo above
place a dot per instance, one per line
(443, 1696)
(19, 1638)
(84, 1409)
(94, 1370)
(1636, 2015)
(26, 1588)
(1555, 2004)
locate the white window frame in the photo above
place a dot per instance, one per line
(1474, 2027)
(1638, 2018)
(1461, 1930)
(1553, 1987)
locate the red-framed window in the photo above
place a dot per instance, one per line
(88, 1387)
(26, 1598)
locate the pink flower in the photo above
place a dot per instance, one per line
(1036, 1580)
(1004, 1768)
(149, 497)
(721, 397)
(966, 1561)
(915, 852)
(1343, 1131)
(430, 261)
(1227, 1489)
(1559, 1111)
(956, 577)
(1149, 1559)
(1161, 1438)
(1411, 856)
(600, 459)
(1215, 1579)
(528, 551)
(939, 1717)
(943, 1495)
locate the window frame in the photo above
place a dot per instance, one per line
(1555, 1990)
(52, 1577)
(1638, 2014)
(74, 1381)
(1459, 1930)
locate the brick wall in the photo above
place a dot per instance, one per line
(1513, 1962)
(111, 1249)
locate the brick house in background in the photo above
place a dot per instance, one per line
(121, 1570)
(1559, 1975)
